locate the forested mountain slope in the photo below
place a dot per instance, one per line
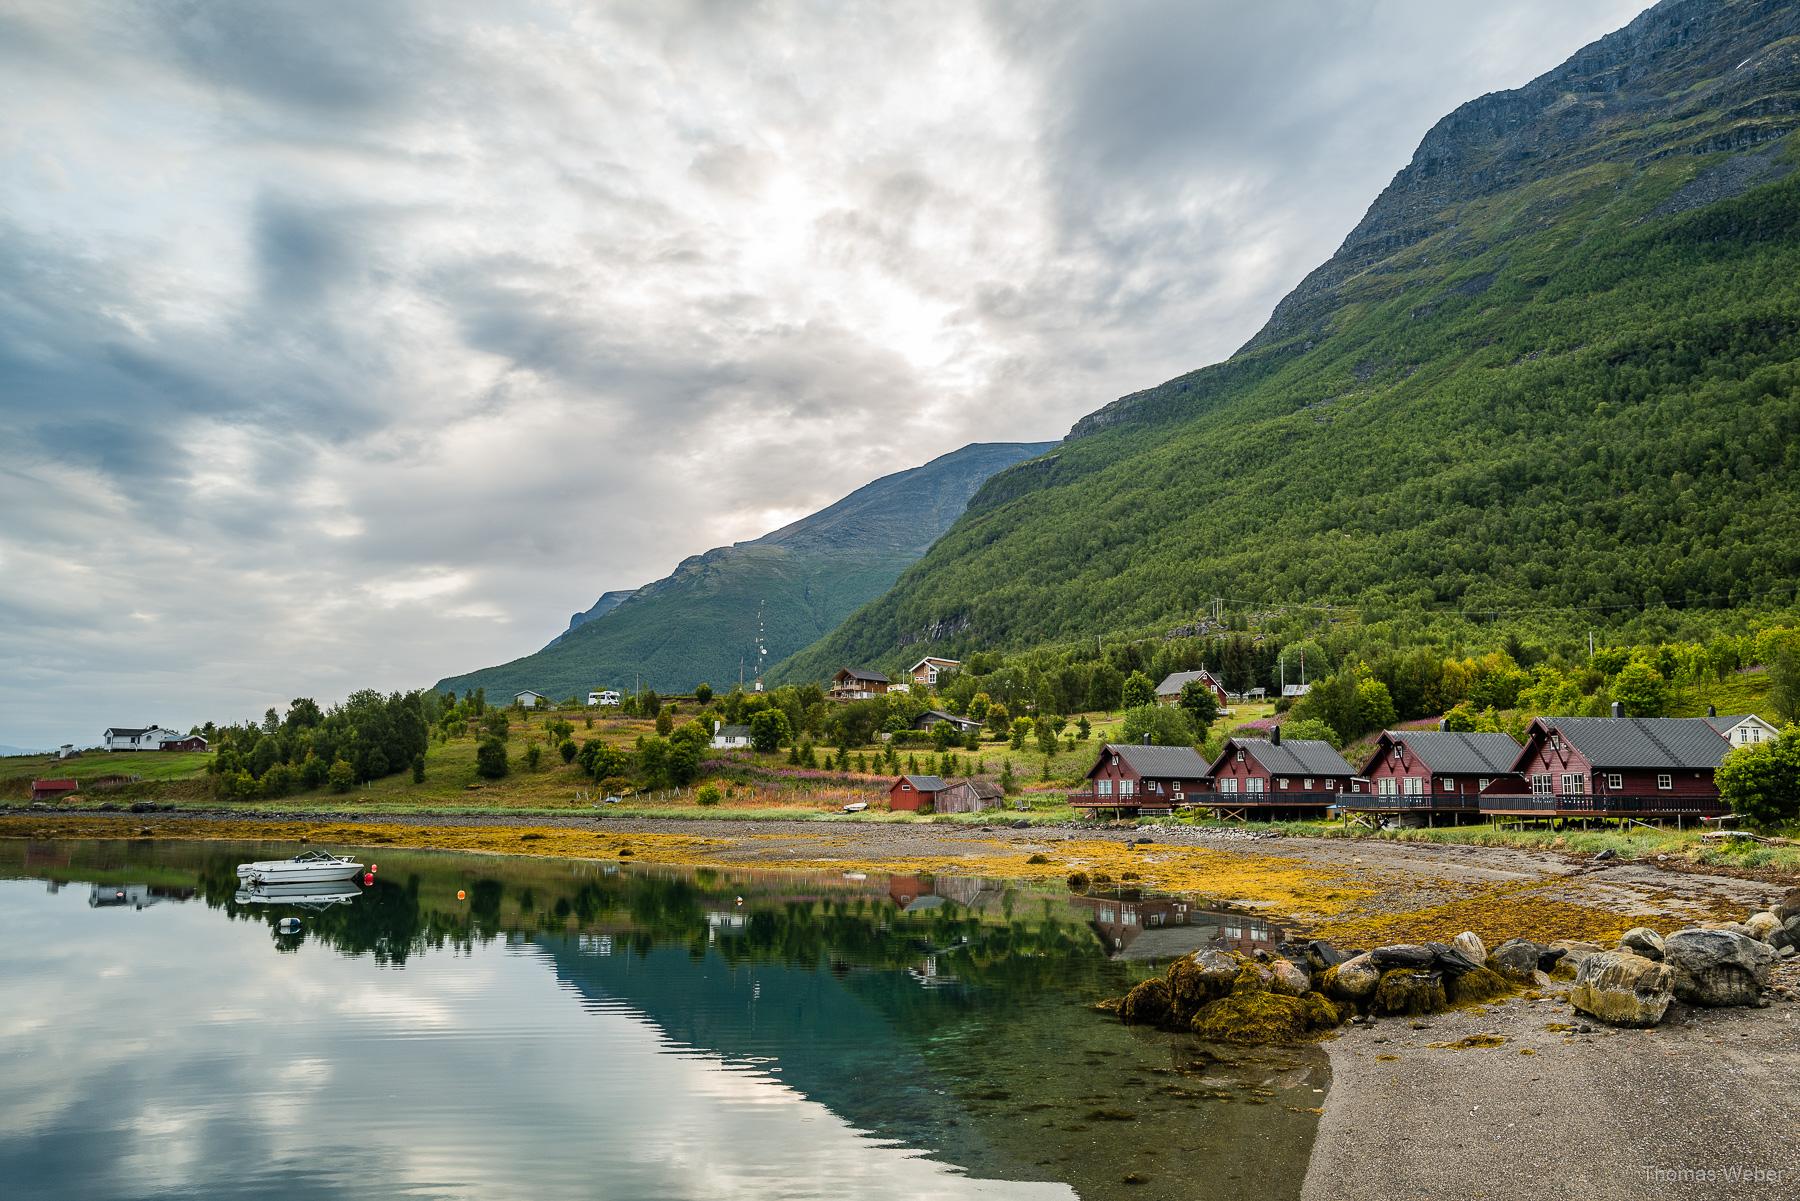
(700, 622)
(1555, 365)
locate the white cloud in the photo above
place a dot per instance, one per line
(360, 344)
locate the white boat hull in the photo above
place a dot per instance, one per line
(286, 871)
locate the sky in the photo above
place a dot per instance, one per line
(347, 343)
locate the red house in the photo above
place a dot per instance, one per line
(915, 793)
(1430, 771)
(52, 790)
(1129, 777)
(1615, 767)
(857, 684)
(1297, 775)
(186, 742)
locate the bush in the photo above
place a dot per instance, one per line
(567, 750)
(341, 776)
(533, 755)
(1166, 726)
(1761, 782)
(768, 730)
(707, 795)
(418, 769)
(490, 759)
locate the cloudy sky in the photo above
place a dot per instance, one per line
(352, 344)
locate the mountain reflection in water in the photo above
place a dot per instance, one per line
(574, 1028)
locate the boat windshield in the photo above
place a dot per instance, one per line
(315, 857)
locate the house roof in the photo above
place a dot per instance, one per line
(858, 673)
(1678, 742)
(935, 659)
(1456, 751)
(1175, 681)
(1722, 723)
(952, 718)
(529, 692)
(925, 783)
(1176, 762)
(131, 732)
(732, 732)
(985, 789)
(1293, 756)
(53, 786)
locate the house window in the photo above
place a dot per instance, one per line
(1385, 786)
(1415, 786)
(1541, 784)
(1555, 743)
(1103, 787)
(1255, 784)
(1447, 785)
(1229, 786)
(1284, 784)
(1308, 785)
(1485, 781)
(1614, 780)
(1240, 756)
(1665, 781)
(905, 787)
(1156, 787)
(1127, 787)
(1574, 783)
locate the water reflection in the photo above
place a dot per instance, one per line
(572, 1029)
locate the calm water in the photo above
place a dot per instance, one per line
(571, 1029)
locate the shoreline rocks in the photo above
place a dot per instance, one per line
(1718, 968)
(1622, 988)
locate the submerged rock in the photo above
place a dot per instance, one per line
(1642, 940)
(1718, 967)
(1623, 989)
(1408, 992)
(1147, 1004)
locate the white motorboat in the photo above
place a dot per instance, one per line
(308, 867)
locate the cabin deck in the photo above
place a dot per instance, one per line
(1655, 805)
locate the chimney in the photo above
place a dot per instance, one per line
(715, 725)
(1146, 740)
(1443, 724)
(1712, 710)
(1618, 709)
(1275, 736)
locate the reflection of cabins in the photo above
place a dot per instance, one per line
(927, 975)
(138, 896)
(915, 894)
(1432, 773)
(1166, 927)
(1638, 767)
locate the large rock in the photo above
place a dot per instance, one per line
(1623, 989)
(1409, 992)
(1249, 1015)
(1321, 955)
(1405, 954)
(1788, 910)
(1288, 978)
(1147, 1004)
(1355, 979)
(1520, 959)
(1718, 967)
(1470, 944)
(1449, 959)
(1642, 940)
(1202, 977)
(1762, 926)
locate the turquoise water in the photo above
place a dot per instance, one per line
(575, 1029)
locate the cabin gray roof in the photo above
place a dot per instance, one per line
(1175, 681)
(857, 673)
(940, 715)
(1679, 742)
(1722, 723)
(733, 732)
(925, 783)
(1297, 757)
(986, 789)
(1459, 751)
(1160, 762)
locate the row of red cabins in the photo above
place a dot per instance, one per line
(1651, 768)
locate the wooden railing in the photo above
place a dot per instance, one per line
(1663, 804)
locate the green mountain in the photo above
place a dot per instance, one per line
(1554, 365)
(700, 622)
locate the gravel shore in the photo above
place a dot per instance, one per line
(1694, 1108)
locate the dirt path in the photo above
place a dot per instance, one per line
(1695, 1108)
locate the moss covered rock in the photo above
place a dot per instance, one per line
(1482, 984)
(1259, 1017)
(1353, 980)
(1146, 1005)
(1405, 992)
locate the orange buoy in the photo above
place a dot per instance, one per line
(461, 895)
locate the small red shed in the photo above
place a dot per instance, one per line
(915, 793)
(53, 790)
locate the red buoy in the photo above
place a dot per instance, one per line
(368, 879)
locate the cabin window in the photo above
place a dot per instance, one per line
(1308, 785)
(1156, 787)
(1255, 784)
(905, 787)
(1614, 780)
(1541, 784)
(1665, 782)
(1415, 786)
(1385, 786)
(1485, 781)
(1103, 787)
(1447, 785)
(1574, 783)
(1127, 787)
(1228, 785)
(1284, 785)
(1240, 756)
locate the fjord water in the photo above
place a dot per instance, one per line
(577, 1029)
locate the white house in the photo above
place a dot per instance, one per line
(730, 738)
(149, 738)
(531, 700)
(607, 697)
(1745, 729)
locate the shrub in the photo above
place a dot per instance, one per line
(707, 795)
(567, 750)
(490, 759)
(418, 766)
(533, 755)
(341, 776)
